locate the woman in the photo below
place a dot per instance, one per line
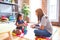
(44, 25)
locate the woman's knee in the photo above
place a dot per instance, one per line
(35, 31)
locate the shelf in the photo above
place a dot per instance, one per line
(9, 12)
(8, 8)
(7, 3)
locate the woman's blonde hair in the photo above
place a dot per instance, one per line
(39, 13)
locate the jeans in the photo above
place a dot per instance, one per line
(44, 33)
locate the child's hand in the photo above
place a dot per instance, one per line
(25, 23)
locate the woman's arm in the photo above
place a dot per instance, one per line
(43, 23)
(42, 27)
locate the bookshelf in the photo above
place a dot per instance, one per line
(8, 8)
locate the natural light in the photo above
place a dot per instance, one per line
(52, 10)
(34, 4)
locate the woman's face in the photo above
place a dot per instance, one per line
(21, 17)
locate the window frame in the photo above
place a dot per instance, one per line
(57, 23)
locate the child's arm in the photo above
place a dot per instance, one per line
(18, 25)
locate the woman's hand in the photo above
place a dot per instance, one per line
(32, 26)
(42, 27)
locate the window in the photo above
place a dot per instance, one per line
(34, 4)
(53, 10)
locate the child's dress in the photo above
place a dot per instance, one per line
(20, 22)
(21, 28)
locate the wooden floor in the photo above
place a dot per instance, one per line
(17, 38)
(56, 35)
(5, 36)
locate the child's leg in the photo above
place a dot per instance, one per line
(25, 31)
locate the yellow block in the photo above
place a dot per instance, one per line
(13, 34)
(41, 39)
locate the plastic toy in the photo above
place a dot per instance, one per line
(14, 34)
(41, 38)
(4, 19)
(12, 18)
(19, 34)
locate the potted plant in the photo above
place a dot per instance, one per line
(26, 11)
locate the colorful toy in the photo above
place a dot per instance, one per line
(14, 34)
(12, 18)
(4, 19)
(41, 38)
(21, 35)
(17, 33)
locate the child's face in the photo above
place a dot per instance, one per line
(21, 17)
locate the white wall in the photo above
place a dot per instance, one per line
(34, 4)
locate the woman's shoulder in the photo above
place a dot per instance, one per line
(45, 17)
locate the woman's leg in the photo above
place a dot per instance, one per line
(44, 33)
